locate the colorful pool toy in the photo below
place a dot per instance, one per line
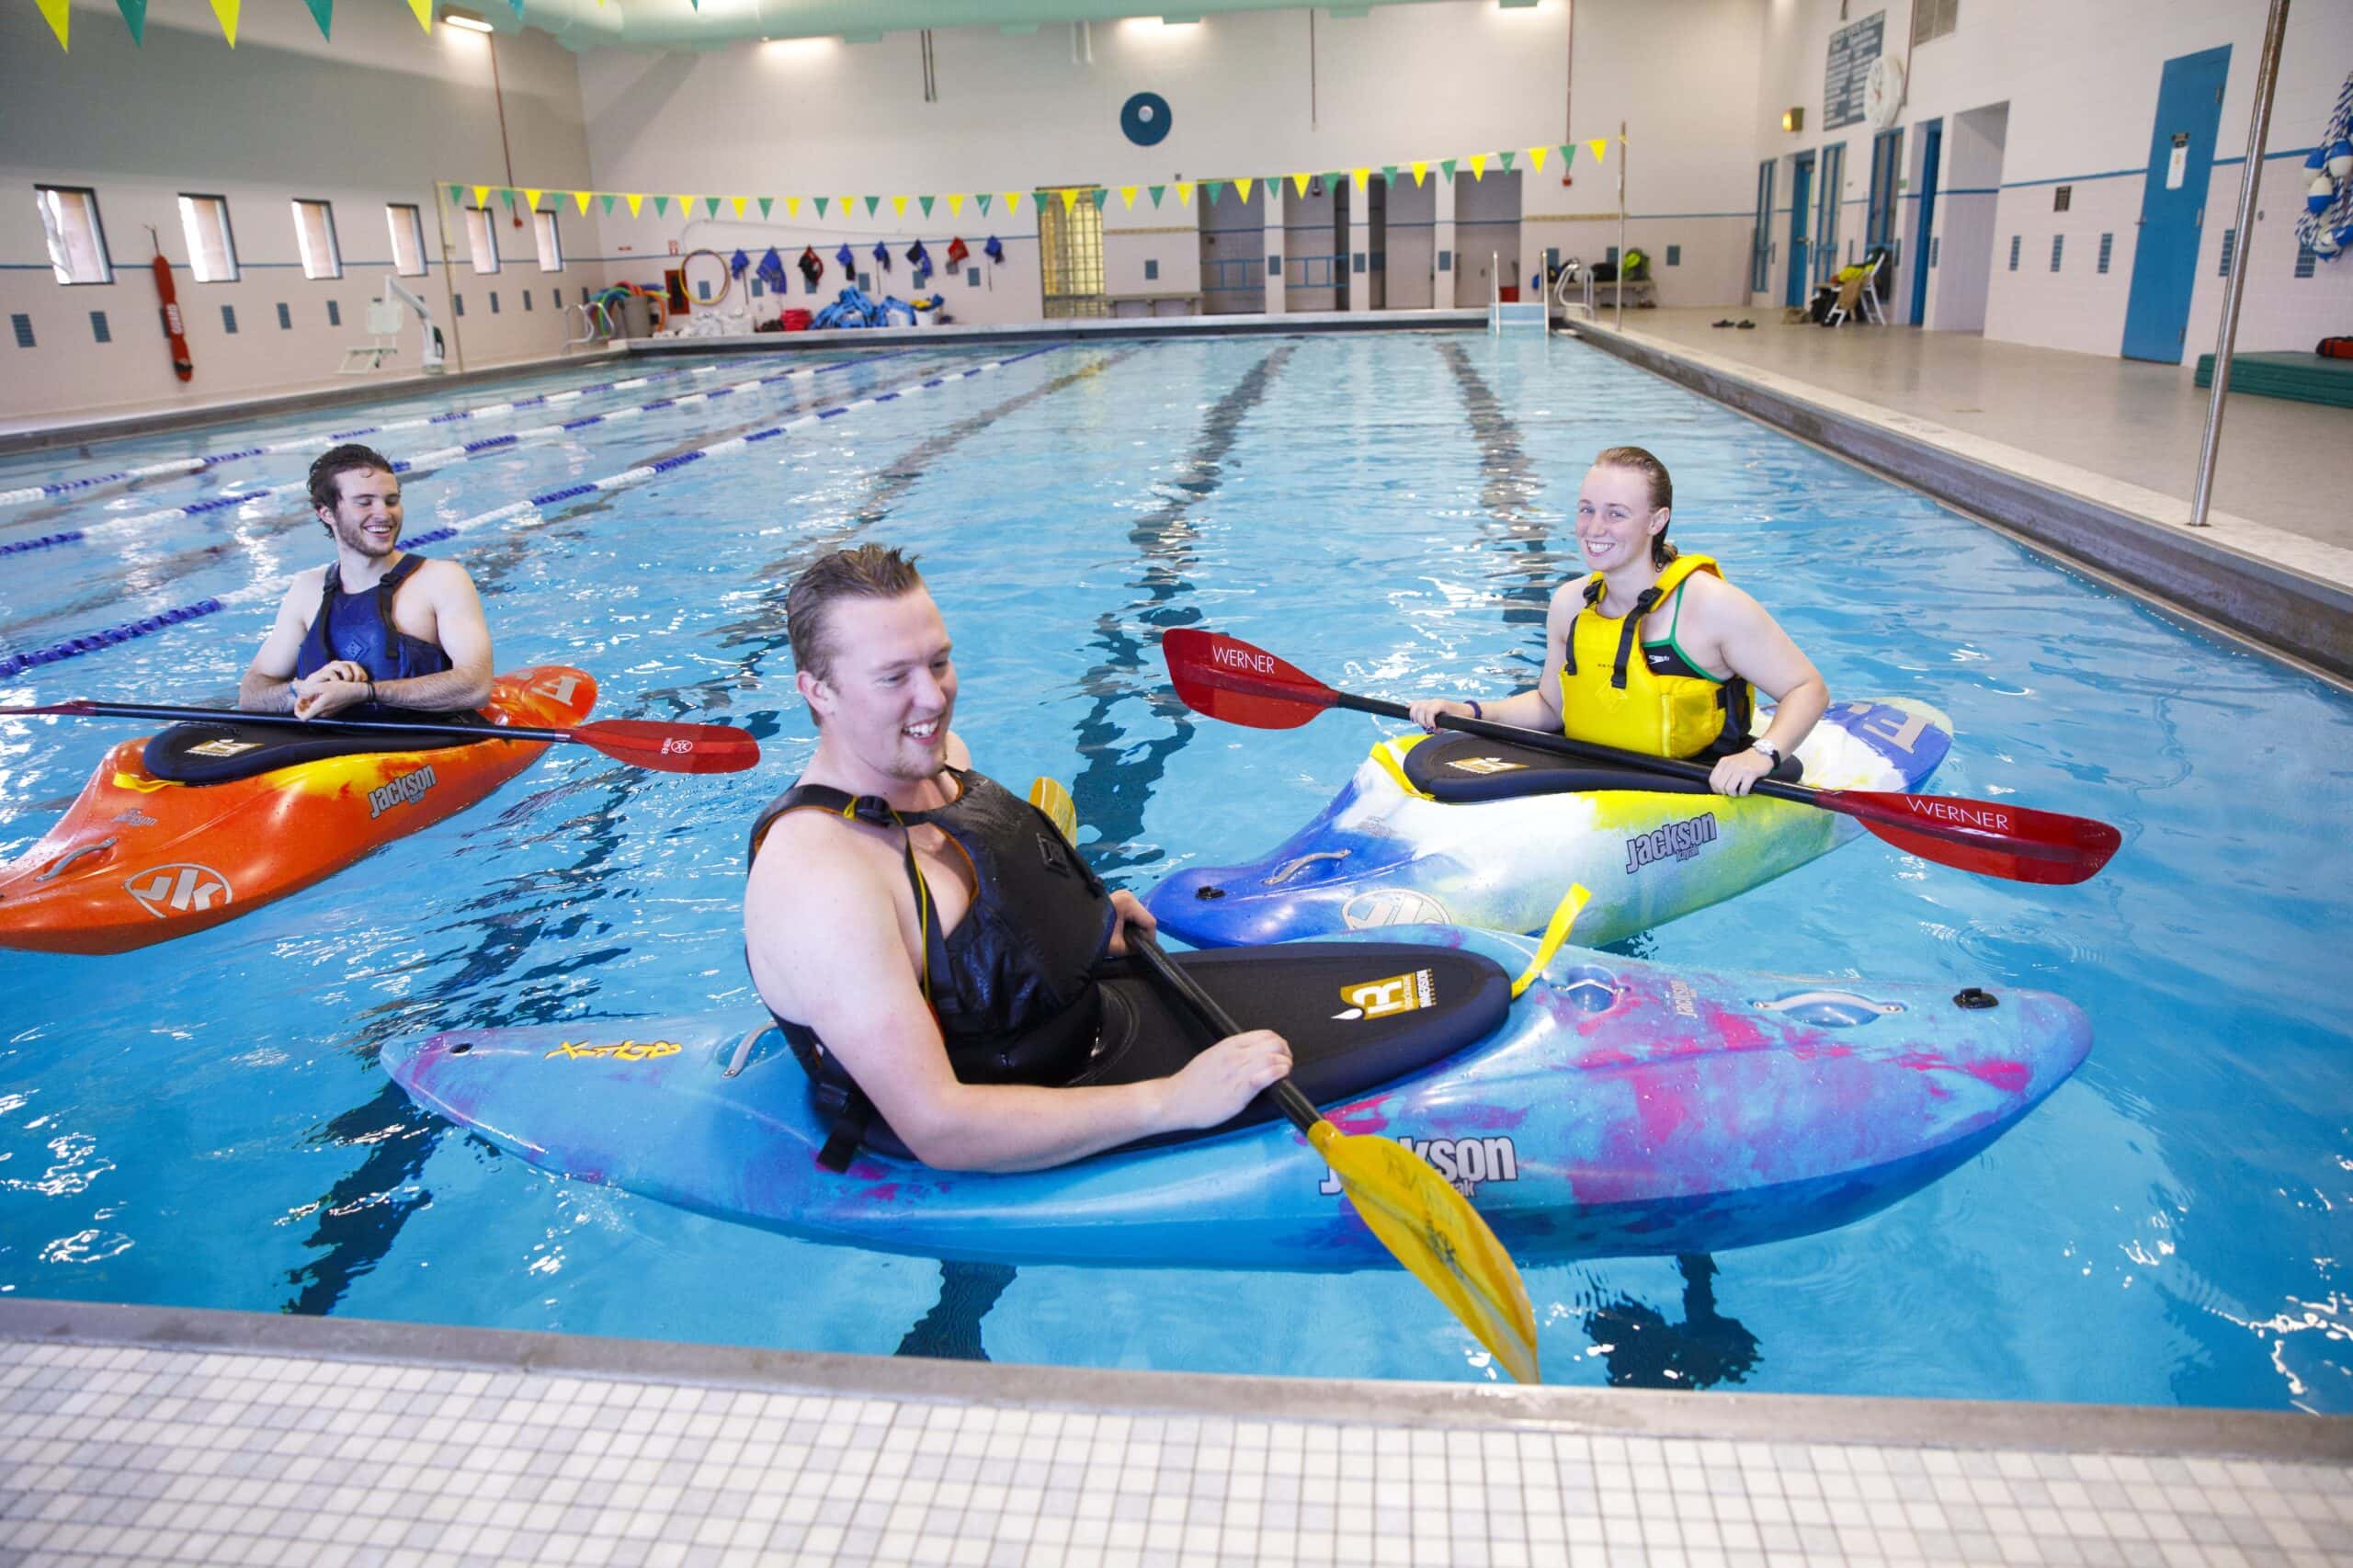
(138, 859)
(1616, 1107)
(1454, 829)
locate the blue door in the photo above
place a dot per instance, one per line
(1932, 147)
(1825, 218)
(2173, 205)
(1800, 196)
(1760, 274)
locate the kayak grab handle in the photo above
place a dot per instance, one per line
(100, 848)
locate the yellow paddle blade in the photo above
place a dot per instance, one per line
(1565, 916)
(1440, 1238)
(1049, 796)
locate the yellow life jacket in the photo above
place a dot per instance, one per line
(1657, 701)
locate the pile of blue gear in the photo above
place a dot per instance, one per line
(854, 308)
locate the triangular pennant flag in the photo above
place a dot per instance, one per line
(955, 204)
(821, 203)
(457, 196)
(925, 201)
(1012, 203)
(709, 207)
(982, 201)
(1241, 188)
(766, 202)
(1502, 160)
(661, 205)
(1298, 182)
(1597, 146)
(792, 207)
(321, 12)
(1389, 174)
(507, 197)
(1128, 194)
(580, 199)
(1212, 189)
(686, 206)
(1157, 192)
(1478, 165)
(1100, 196)
(1070, 198)
(54, 12)
(736, 204)
(532, 196)
(636, 202)
(848, 204)
(517, 6)
(481, 196)
(1421, 173)
(1184, 193)
(1360, 176)
(226, 11)
(1568, 155)
(608, 198)
(1536, 158)
(898, 207)
(872, 203)
(423, 8)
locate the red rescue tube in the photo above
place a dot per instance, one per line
(184, 365)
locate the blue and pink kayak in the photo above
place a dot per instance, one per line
(1615, 1108)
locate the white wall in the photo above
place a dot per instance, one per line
(1962, 277)
(2080, 82)
(374, 117)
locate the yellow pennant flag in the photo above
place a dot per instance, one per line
(686, 205)
(898, 206)
(1536, 158)
(634, 204)
(1421, 173)
(1184, 193)
(424, 9)
(580, 199)
(955, 203)
(1070, 197)
(531, 197)
(226, 10)
(1128, 194)
(1597, 146)
(738, 203)
(54, 12)
(848, 202)
(1298, 182)
(481, 196)
(1360, 176)
(1242, 188)
(792, 207)
(1478, 165)
(1012, 201)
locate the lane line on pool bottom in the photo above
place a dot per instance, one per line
(179, 615)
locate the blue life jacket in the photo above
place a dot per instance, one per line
(359, 627)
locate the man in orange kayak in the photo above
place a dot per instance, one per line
(925, 939)
(377, 631)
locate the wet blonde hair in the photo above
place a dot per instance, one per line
(1661, 490)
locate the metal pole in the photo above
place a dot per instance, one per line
(1620, 322)
(2267, 77)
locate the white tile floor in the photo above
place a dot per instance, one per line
(145, 1453)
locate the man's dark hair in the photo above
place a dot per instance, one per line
(336, 461)
(866, 571)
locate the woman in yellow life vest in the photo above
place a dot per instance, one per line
(1655, 651)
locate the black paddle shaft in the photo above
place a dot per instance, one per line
(287, 720)
(1540, 740)
(1296, 1107)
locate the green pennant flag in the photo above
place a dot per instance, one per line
(1100, 194)
(1446, 167)
(1389, 174)
(1568, 156)
(517, 6)
(1157, 192)
(766, 203)
(507, 196)
(661, 205)
(457, 193)
(821, 201)
(926, 201)
(1210, 189)
(1505, 159)
(872, 203)
(134, 17)
(983, 197)
(608, 198)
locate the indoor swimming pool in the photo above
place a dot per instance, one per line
(205, 1123)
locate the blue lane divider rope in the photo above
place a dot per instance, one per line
(45, 543)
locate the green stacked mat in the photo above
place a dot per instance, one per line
(2306, 377)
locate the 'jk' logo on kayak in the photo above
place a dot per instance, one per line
(400, 791)
(1465, 1162)
(1484, 764)
(626, 1051)
(166, 891)
(1386, 998)
(1678, 840)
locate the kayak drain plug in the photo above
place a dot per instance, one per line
(462, 1048)
(1975, 1000)
(1206, 890)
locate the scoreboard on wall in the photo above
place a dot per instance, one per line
(1853, 50)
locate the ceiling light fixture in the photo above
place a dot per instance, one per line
(454, 17)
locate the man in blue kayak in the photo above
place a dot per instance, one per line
(926, 940)
(377, 631)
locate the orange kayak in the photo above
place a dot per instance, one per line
(139, 859)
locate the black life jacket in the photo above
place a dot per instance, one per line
(1014, 985)
(359, 627)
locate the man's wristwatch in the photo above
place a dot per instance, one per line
(1769, 748)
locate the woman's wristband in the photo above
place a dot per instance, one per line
(1476, 712)
(371, 691)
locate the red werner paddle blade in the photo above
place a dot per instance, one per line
(672, 748)
(1226, 679)
(2017, 842)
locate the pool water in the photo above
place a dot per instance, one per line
(203, 1123)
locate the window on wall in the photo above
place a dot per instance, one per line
(1934, 19)
(1070, 242)
(212, 250)
(551, 245)
(77, 245)
(314, 233)
(482, 239)
(408, 238)
(1760, 238)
